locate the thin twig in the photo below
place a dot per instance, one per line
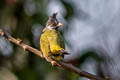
(59, 63)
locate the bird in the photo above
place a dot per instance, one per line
(51, 41)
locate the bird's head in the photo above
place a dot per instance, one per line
(53, 23)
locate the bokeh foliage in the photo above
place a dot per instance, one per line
(25, 19)
(17, 18)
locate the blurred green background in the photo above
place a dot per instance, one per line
(82, 21)
(25, 19)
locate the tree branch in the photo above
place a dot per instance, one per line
(59, 63)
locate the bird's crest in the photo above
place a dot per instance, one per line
(54, 15)
(52, 20)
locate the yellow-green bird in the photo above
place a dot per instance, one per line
(51, 41)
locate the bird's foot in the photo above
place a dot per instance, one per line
(54, 63)
(51, 61)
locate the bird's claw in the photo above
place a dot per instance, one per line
(51, 61)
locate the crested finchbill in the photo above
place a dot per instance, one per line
(51, 41)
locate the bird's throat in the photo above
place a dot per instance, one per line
(51, 28)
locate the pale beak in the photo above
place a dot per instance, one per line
(59, 24)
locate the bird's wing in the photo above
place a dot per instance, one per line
(55, 41)
(62, 44)
(60, 40)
